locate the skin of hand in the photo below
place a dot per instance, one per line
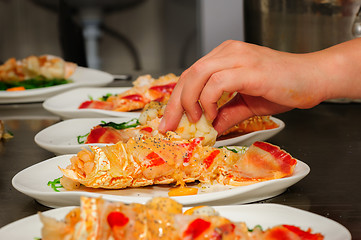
(267, 82)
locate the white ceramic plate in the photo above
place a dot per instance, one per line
(33, 180)
(61, 138)
(66, 104)
(266, 215)
(81, 77)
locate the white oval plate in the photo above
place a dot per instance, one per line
(33, 180)
(267, 215)
(82, 77)
(61, 138)
(66, 104)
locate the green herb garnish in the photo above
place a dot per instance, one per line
(131, 123)
(55, 184)
(106, 96)
(37, 82)
(257, 226)
(236, 149)
(81, 139)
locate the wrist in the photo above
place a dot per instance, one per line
(341, 69)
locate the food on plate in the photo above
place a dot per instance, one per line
(159, 218)
(35, 72)
(156, 160)
(253, 124)
(3, 133)
(145, 89)
(149, 121)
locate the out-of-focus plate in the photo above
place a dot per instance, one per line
(266, 215)
(61, 138)
(82, 77)
(66, 104)
(249, 138)
(33, 180)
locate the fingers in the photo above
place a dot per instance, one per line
(235, 111)
(173, 111)
(203, 81)
(229, 80)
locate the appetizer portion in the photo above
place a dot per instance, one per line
(160, 218)
(148, 122)
(35, 72)
(145, 89)
(155, 160)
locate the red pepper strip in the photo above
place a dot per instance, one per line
(154, 160)
(191, 147)
(209, 160)
(134, 97)
(117, 219)
(196, 228)
(147, 129)
(95, 104)
(167, 88)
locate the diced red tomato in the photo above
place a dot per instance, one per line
(117, 219)
(196, 228)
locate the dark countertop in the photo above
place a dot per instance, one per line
(327, 138)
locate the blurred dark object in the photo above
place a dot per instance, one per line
(122, 38)
(299, 25)
(71, 36)
(81, 25)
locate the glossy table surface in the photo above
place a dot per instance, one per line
(327, 138)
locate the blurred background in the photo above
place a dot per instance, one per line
(145, 36)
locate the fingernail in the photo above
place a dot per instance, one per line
(161, 126)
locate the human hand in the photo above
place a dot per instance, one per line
(266, 81)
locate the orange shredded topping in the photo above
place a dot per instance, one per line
(182, 191)
(21, 88)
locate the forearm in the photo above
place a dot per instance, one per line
(340, 67)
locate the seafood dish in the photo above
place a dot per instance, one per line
(159, 218)
(164, 160)
(148, 122)
(145, 89)
(35, 72)
(177, 157)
